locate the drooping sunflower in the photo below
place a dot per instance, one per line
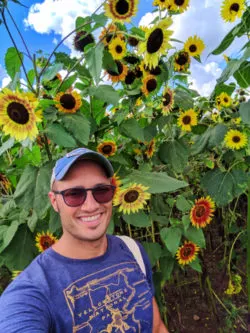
(117, 48)
(108, 33)
(194, 46)
(187, 119)
(178, 5)
(232, 9)
(181, 61)
(223, 100)
(132, 198)
(82, 39)
(202, 212)
(68, 102)
(107, 148)
(116, 181)
(121, 10)
(17, 115)
(130, 77)
(156, 42)
(149, 84)
(120, 75)
(187, 253)
(44, 240)
(235, 139)
(49, 85)
(167, 100)
(149, 152)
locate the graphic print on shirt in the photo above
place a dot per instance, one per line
(116, 299)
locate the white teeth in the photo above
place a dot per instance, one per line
(90, 218)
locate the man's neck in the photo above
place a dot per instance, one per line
(81, 249)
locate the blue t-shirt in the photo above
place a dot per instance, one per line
(56, 294)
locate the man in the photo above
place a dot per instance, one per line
(87, 281)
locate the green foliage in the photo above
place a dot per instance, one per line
(13, 60)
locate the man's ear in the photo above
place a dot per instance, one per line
(53, 201)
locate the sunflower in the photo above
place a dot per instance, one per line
(178, 5)
(149, 84)
(194, 46)
(187, 119)
(5, 184)
(223, 100)
(107, 148)
(187, 253)
(163, 4)
(44, 240)
(130, 77)
(108, 33)
(149, 152)
(131, 199)
(82, 39)
(18, 116)
(49, 85)
(115, 180)
(167, 100)
(14, 274)
(181, 61)
(120, 10)
(120, 75)
(68, 102)
(117, 48)
(156, 42)
(202, 212)
(232, 9)
(235, 139)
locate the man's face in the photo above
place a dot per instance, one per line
(89, 221)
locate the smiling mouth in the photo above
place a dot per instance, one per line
(90, 218)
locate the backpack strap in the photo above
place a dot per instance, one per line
(134, 248)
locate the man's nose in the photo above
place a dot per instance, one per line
(90, 203)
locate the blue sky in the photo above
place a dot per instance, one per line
(46, 22)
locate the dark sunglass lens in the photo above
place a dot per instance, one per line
(74, 197)
(103, 194)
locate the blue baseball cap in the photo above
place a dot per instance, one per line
(63, 165)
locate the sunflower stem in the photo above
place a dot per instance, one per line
(130, 231)
(18, 53)
(248, 245)
(231, 252)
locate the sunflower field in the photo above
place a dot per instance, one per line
(181, 160)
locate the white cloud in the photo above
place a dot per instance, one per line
(5, 81)
(55, 41)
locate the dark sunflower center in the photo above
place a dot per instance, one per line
(166, 99)
(235, 7)
(109, 37)
(182, 59)
(187, 251)
(46, 242)
(236, 139)
(192, 48)
(122, 7)
(155, 40)
(119, 68)
(18, 113)
(131, 196)
(179, 2)
(225, 99)
(151, 85)
(200, 211)
(107, 149)
(186, 120)
(68, 101)
(118, 49)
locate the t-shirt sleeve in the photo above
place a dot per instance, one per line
(148, 267)
(23, 309)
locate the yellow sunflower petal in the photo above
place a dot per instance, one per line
(68, 102)
(187, 119)
(194, 46)
(232, 9)
(121, 10)
(117, 48)
(44, 240)
(202, 212)
(235, 139)
(187, 253)
(107, 148)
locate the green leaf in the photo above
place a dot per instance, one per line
(196, 265)
(242, 75)
(21, 251)
(100, 19)
(32, 221)
(57, 134)
(222, 87)
(31, 75)
(68, 83)
(167, 266)
(139, 219)
(183, 204)
(175, 153)
(78, 125)
(132, 129)
(223, 187)
(108, 61)
(105, 93)
(195, 235)
(94, 58)
(158, 182)
(185, 221)
(33, 187)
(227, 41)
(8, 235)
(244, 112)
(54, 221)
(7, 145)
(183, 99)
(171, 237)
(51, 71)
(162, 219)
(13, 61)
(153, 251)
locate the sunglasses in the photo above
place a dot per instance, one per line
(76, 196)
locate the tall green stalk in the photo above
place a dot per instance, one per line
(248, 245)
